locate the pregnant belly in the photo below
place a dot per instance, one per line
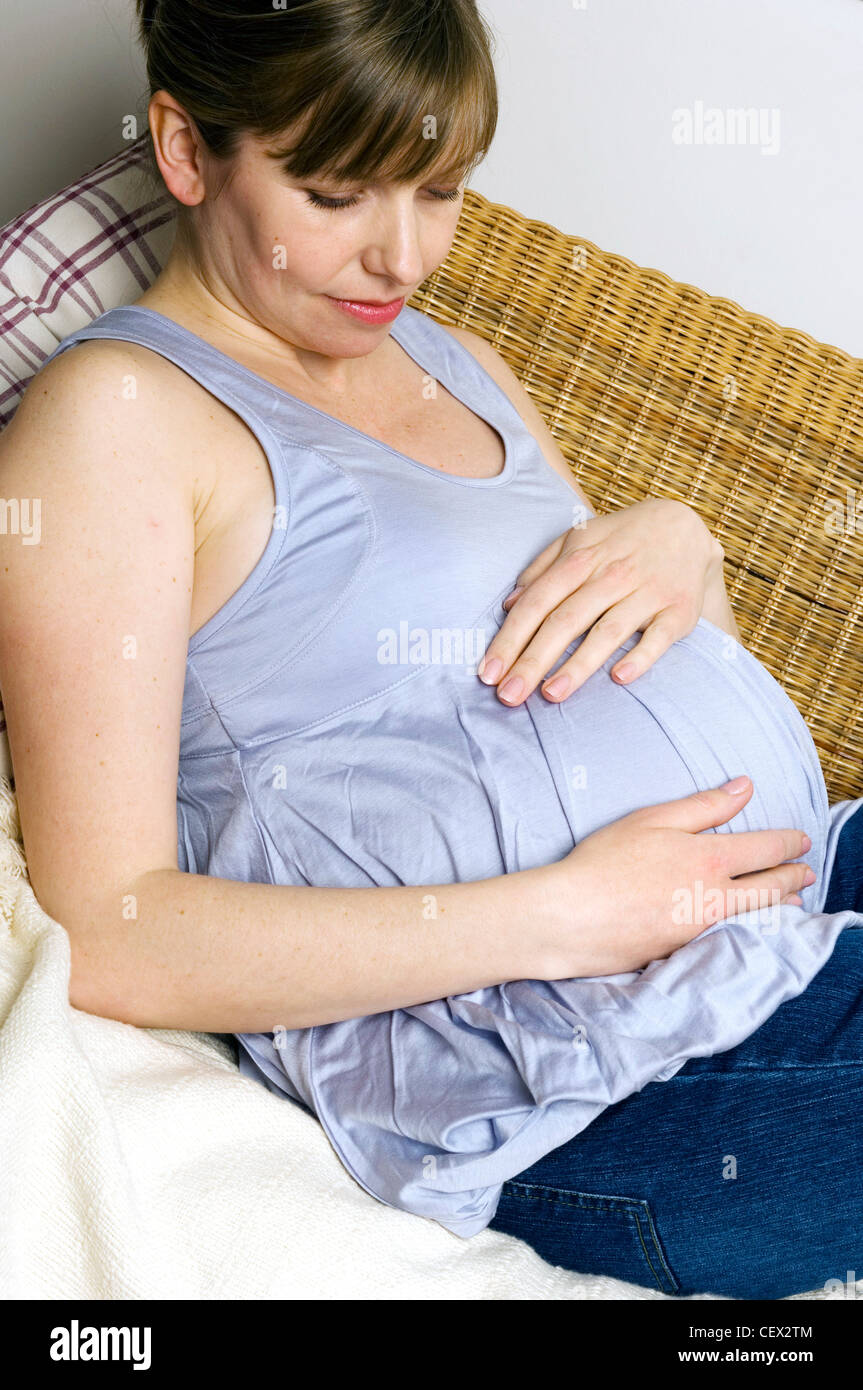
(438, 781)
(706, 712)
(432, 1107)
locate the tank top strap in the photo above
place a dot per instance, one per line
(440, 356)
(250, 396)
(443, 357)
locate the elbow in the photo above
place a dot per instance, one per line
(105, 978)
(110, 970)
(90, 989)
(88, 981)
(84, 990)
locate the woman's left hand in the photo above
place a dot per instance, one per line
(648, 568)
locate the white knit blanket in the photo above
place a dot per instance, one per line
(137, 1163)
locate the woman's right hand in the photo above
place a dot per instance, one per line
(639, 888)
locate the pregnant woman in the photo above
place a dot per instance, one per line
(471, 923)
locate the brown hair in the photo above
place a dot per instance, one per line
(353, 81)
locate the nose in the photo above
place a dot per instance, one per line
(395, 249)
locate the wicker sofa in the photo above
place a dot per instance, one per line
(653, 387)
(650, 386)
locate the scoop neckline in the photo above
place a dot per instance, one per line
(502, 429)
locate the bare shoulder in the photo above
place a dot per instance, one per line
(109, 408)
(501, 373)
(103, 381)
(93, 362)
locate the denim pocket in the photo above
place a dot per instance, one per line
(587, 1232)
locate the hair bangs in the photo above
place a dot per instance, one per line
(354, 91)
(403, 126)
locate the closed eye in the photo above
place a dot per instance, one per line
(321, 200)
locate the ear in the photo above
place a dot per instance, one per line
(179, 149)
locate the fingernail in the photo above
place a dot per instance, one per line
(625, 672)
(519, 589)
(489, 671)
(511, 689)
(809, 878)
(736, 785)
(558, 686)
(807, 845)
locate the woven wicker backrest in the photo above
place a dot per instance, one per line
(653, 387)
(650, 386)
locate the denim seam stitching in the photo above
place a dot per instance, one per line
(657, 1250)
(762, 1069)
(629, 1205)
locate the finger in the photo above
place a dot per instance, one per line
(700, 810)
(610, 631)
(740, 851)
(669, 625)
(609, 626)
(751, 851)
(539, 599)
(537, 566)
(755, 891)
(549, 616)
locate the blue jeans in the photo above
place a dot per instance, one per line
(742, 1175)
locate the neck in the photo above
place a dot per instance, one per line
(183, 291)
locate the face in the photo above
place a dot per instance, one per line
(294, 255)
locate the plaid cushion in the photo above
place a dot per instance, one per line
(98, 243)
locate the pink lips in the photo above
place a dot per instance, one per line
(367, 312)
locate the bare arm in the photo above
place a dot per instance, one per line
(94, 626)
(228, 957)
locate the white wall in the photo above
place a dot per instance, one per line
(585, 141)
(70, 70)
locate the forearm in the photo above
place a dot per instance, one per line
(216, 955)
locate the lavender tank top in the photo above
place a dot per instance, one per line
(335, 733)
